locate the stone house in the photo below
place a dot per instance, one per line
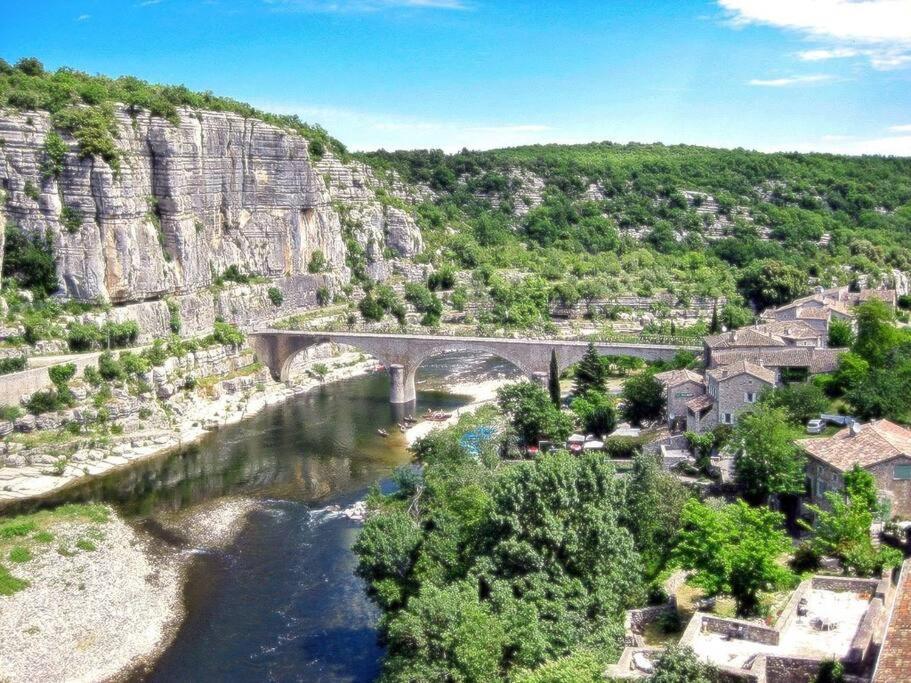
(881, 447)
(730, 390)
(680, 386)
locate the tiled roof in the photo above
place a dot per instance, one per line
(699, 403)
(741, 367)
(672, 378)
(887, 295)
(813, 313)
(748, 336)
(793, 329)
(816, 360)
(894, 662)
(875, 442)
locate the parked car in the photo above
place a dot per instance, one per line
(815, 426)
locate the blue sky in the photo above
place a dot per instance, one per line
(827, 75)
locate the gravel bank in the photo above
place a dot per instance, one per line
(94, 615)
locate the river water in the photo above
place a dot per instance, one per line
(282, 603)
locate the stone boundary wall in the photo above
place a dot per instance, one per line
(743, 630)
(789, 669)
(26, 382)
(842, 584)
(637, 620)
(862, 642)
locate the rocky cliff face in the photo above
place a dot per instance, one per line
(189, 201)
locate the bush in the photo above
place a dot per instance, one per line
(370, 308)
(227, 334)
(323, 296)
(444, 278)
(174, 323)
(29, 260)
(70, 219)
(276, 296)
(55, 150)
(317, 262)
(61, 374)
(109, 368)
(12, 364)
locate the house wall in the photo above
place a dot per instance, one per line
(898, 491)
(730, 395)
(678, 395)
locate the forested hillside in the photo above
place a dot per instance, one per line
(603, 219)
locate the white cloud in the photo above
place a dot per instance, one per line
(362, 6)
(790, 80)
(820, 55)
(146, 3)
(83, 17)
(878, 30)
(903, 128)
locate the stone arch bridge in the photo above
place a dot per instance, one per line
(402, 354)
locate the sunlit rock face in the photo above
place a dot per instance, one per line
(189, 201)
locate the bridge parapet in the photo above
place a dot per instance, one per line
(402, 353)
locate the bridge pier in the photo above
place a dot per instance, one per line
(401, 384)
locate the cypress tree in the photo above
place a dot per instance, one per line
(590, 372)
(553, 379)
(714, 328)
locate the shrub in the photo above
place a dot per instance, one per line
(10, 413)
(12, 364)
(323, 296)
(174, 312)
(55, 150)
(70, 219)
(444, 278)
(234, 274)
(31, 190)
(317, 262)
(29, 260)
(82, 336)
(109, 368)
(61, 374)
(370, 308)
(276, 296)
(228, 334)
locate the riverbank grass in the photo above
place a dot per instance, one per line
(24, 536)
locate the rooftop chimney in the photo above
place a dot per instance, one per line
(855, 428)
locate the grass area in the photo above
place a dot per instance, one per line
(206, 383)
(22, 536)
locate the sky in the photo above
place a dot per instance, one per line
(802, 75)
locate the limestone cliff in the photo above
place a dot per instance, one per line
(190, 200)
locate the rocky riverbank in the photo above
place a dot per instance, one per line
(481, 393)
(44, 461)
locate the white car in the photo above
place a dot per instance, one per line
(815, 426)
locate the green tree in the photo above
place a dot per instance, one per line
(370, 308)
(733, 549)
(386, 548)
(767, 461)
(553, 379)
(841, 334)
(643, 398)
(590, 372)
(801, 402)
(876, 332)
(28, 258)
(532, 414)
(681, 665)
(595, 412)
(842, 529)
(772, 283)
(652, 510)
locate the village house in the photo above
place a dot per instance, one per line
(730, 390)
(680, 386)
(793, 349)
(883, 448)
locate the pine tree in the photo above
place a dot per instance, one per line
(553, 379)
(590, 372)
(714, 328)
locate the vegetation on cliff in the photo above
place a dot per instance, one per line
(586, 222)
(83, 106)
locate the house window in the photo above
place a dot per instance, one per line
(901, 472)
(727, 418)
(750, 397)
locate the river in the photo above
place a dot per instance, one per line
(282, 603)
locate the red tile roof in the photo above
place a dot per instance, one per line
(875, 442)
(741, 367)
(894, 662)
(672, 378)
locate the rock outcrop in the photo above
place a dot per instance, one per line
(189, 201)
